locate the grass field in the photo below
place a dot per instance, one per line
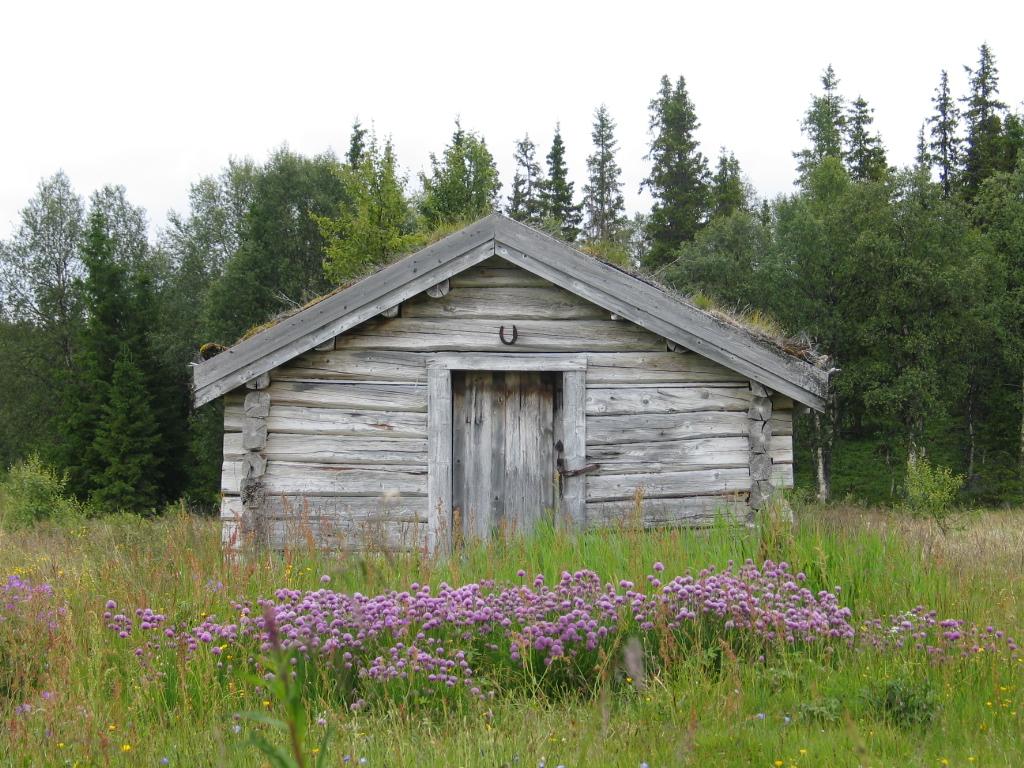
(72, 692)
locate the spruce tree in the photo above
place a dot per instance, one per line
(556, 193)
(85, 386)
(524, 204)
(463, 184)
(864, 155)
(824, 125)
(126, 442)
(602, 195)
(728, 192)
(945, 142)
(984, 124)
(679, 177)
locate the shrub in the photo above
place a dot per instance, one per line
(931, 491)
(33, 491)
(903, 702)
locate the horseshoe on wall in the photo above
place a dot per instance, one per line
(515, 335)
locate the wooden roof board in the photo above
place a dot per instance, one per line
(606, 286)
(342, 310)
(656, 310)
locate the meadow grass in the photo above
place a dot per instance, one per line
(90, 704)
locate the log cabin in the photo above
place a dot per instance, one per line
(491, 379)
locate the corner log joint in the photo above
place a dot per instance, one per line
(254, 461)
(760, 438)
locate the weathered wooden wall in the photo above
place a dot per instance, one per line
(346, 430)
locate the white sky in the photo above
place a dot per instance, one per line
(153, 96)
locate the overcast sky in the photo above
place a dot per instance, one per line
(153, 96)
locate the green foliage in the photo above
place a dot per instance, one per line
(463, 184)
(376, 220)
(864, 154)
(602, 194)
(524, 204)
(126, 442)
(824, 124)
(726, 260)
(932, 490)
(983, 115)
(556, 194)
(679, 180)
(729, 193)
(286, 691)
(356, 145)
(946, 143)
(33, 491)
(904, 702)
(40, 264)
(278, 264)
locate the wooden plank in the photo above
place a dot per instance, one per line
(341, 534)
(262, 381)
(234, 412)
(438, 290)
(232, 517)
(497, 273)
(669, 484)
(654, 309)
(496, 361)
(782, 424)
(354, 510)
(574, 439)
(343, 310)
(665, 399)
(439, 449)
(504, 304)
(655, 368)
(356, 365)
(417, 334)
(294, 479)
(672, 455)
(319, 449)
(782, 475)
(642, 428)
(352, 396)
(300, 420)
(655, 513)
(529, 459)
(478, 462)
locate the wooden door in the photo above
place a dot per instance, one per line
(503, 450)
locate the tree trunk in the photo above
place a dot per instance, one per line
(823, 455)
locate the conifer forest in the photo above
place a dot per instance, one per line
(909, 279)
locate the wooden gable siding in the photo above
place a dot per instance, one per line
(346, 444)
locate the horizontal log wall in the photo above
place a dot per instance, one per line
(346, 444)
(346, 458)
